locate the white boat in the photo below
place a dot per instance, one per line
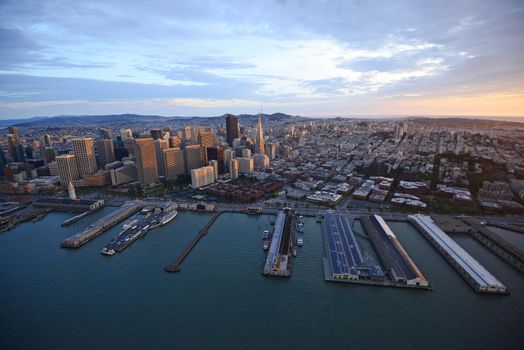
(265, 235)
(168, 217)
(106, 251)
(129, 224)
(300, 241)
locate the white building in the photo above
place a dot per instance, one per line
(202, 176)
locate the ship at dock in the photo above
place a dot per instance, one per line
(139, 226)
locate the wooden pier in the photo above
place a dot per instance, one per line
(176, 265)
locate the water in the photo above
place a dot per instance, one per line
(52, 298)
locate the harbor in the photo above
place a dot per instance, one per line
(137, 227)
(102, 225)
(278, 260)
(480, 279)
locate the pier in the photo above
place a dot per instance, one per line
(398, 264)
(78, 217)
(278, 262)
(507, 251)
(176, 265)
(102, 225)
(470, 269)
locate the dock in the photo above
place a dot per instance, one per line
(176, 265)
(470, 269)
(507, 251)
(76, 218)
(399, 266)
(278, 262)
(102, 225)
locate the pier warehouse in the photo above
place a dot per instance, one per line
(472, 271)
(102, 225)
(343, 251)
(67, 204)
(277, 258)
(396, 260)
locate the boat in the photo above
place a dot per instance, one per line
(129, 224)
(266, 244)
(319, 218)
(107, 251)
(294, 252)
(300, 227)
(300, 241)
(168, 217)
(265, 235)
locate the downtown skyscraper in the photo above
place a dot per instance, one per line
(231, 128)
(259, 141)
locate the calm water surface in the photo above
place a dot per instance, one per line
(52, 298)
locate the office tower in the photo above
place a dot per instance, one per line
(29, 152)
(67, 169)
(106, 133)
(126, 134)
(145, 154)
(246, 153)
(106, 151)
(217, 153)
(123, 175)
(231, 128)
(228, 155)
(259, 140)
(261, 161)
(3, 162)
(49, 155)
(233, 169)
(206, 138)
(214, 164)
(71, 190)
(245, 165)
(186, 135)
(194, 157)
(271, 150)
(175, 141)
(202, 176)
(160, 146)
(173, 163)
(84, 151)
(156, 134)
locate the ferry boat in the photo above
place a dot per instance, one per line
(265, 235)
(300, 241)
(107, 251)
(168, 217)
(129, 224)
(266, 244)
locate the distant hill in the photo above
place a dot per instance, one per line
(79, 120)
(456, 122)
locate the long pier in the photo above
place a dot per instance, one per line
(175, 266)
(507, 251)
(102, 225)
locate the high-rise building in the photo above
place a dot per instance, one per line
(202, 176)
(216, 153)
(245, 165)
(194, 157)
(126, 134)
(67, 169)
(259, 141)
(233, 169)
(214, 164)
(246, 153)
(228, 155)
(106, 151)
(106, 133)
(231, 128)
(206, 138)
(145, 154)
(124, 174)
(271, 150)
(156, 134)
(175, 141)
(160, 146)
(84, 151)
(261, 161)
(3, 162)
(173, 163)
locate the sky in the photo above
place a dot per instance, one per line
(310, 58)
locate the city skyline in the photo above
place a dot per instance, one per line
(310, 58)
